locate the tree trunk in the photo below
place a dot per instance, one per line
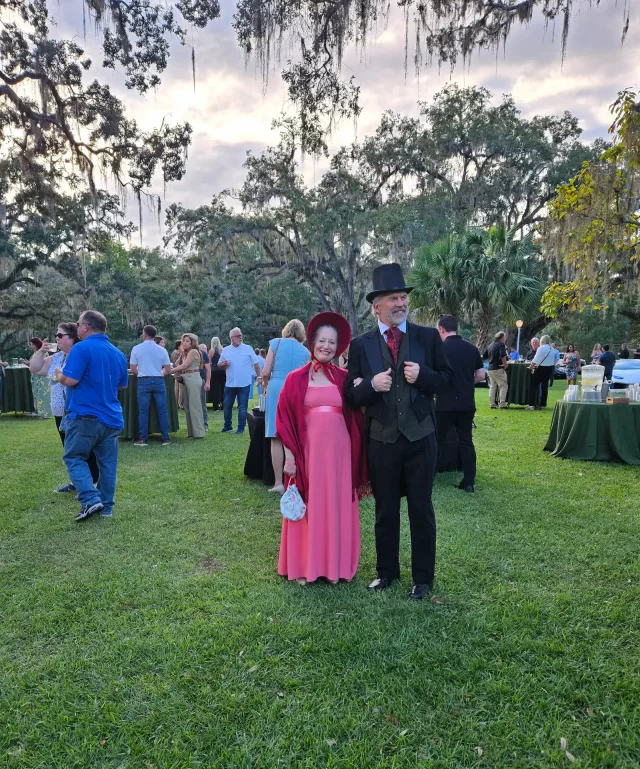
(530, 329)
(482, 325)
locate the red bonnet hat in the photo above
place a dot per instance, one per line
(337, 321)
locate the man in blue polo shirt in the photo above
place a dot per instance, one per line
(93, 372)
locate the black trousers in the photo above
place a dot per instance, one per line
(540, 381)
(409, 467)
(92, 461)
(463, 423)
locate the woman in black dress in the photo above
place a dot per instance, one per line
(218, 375)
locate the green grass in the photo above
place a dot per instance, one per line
(165, 638)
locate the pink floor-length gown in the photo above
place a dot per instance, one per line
(326, 542)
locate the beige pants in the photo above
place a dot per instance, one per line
(498, 382)
(179, 395)
(193, 404)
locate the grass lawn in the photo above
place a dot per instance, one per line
(165, 638)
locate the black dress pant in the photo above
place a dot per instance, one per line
(409, 467)
(540, 382)
(463, 423)
(92, 461)
(216, 391)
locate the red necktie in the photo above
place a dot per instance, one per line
(394, 337)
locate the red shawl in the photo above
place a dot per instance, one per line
(291, 428)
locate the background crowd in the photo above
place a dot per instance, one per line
(345, 418)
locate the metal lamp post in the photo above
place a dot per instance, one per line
(519, 325)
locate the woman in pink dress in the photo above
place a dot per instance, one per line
(325, 455)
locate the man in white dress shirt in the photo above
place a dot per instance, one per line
(240, 363)
(150, 362)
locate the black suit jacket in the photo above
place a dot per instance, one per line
(365, 360)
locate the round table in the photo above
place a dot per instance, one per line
(17, 394)
(129, 402)
(519, 379)
(595, 431)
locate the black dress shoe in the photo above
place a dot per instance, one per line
(382, 583)
(419, 592)
(468, 489)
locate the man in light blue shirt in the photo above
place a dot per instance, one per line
(93, 372)
(150, 363)
(240, 362)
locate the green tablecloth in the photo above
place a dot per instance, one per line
(595, 431)
(519, 378)
(129, 402)
(17, 394)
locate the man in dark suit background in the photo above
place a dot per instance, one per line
(457, 407)
(394, 371)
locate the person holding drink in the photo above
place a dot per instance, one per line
(40, 386)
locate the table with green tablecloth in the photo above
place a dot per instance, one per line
(129, 402)
(519, 378)
(17, 394)
(595, 431)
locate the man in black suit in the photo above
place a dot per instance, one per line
(394, 371)
(457, 407)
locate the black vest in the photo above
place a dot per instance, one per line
(401, 418)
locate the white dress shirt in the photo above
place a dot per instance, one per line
(149, 357)
(243, 360)
(383, 328)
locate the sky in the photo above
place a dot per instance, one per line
(231, 111)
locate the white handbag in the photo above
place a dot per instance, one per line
(262, 402)
(292, 505)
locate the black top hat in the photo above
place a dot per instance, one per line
(386, 279)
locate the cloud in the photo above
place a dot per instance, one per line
(231, 112)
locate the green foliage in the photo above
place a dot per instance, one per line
(140, 286)
(480, 277)
(479, 163)
(58, 133)
(465, 162)
(585, 329)
(73, 128)
(593, 231)
(445, 30)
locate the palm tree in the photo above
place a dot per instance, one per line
(479, 276)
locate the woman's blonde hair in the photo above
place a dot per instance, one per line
(546, 339)
(215, 344)
(195, 345)
(294, 330)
